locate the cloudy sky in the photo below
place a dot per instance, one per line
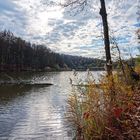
(67, 31)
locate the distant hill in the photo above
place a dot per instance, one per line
(17, 54)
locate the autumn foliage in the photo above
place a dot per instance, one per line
(109, 110)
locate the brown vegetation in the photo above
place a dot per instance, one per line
(110, 111)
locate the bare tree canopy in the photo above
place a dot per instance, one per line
(77, 6)
(80, 5)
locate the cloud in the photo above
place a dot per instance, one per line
(64, 31)
(12, 18)
(7, 6)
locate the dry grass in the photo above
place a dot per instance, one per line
(110, 111)
(137, 69)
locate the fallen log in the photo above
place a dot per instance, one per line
(26, 84)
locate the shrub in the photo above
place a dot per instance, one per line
(108, 110)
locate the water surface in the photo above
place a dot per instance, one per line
(36, 113)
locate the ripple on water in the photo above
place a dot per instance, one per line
(36, 113)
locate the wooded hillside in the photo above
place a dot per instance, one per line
(17, 54)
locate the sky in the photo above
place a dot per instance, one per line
(71, 30)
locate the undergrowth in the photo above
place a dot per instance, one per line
(109, 110)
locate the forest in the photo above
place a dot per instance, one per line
(17, 54)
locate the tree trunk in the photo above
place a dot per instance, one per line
(106, 37)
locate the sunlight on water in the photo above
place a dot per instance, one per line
(36, 113)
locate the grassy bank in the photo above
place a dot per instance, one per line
(110, 111)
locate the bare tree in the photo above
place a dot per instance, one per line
(81, 4)
(115, 46)
(106, 37)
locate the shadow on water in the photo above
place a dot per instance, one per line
(30, 112)
(9, 92)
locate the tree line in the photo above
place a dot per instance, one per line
(17, 54)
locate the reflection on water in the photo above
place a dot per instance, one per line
(35, 113)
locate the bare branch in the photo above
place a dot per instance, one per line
(73, 2)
